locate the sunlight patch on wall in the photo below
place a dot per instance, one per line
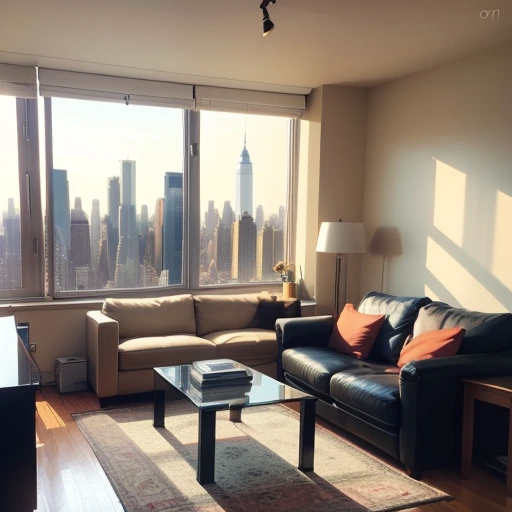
(430, 293)
(449, 201)
(468, 291)
(502, 248)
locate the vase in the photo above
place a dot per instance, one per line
(289, 291)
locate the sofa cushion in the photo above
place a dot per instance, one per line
(431, 345)
(370, 390)
(400, 314)
(225, 312)
(247, 346)
(152, 351)
(158, 316)
(485, 332)
(354, 333)
(270, 310)
(315, 366)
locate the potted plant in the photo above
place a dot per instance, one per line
(287, 271)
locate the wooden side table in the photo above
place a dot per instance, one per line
(497, 391)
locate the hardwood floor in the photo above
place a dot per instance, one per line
(71, 479)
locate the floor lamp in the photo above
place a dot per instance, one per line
(342, 239)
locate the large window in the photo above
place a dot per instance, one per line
(117, 195)
(244, 189)
(147, 184)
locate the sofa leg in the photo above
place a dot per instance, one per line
(414, 473)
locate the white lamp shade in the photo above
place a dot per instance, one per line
(341, 238)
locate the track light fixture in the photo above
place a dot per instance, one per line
(268, 26)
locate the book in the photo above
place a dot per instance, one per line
(219, 369)
(221, 393)
(228, 380)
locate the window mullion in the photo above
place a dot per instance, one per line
(192, 145)
(30, 205)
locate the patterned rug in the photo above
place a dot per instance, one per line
(154, 470)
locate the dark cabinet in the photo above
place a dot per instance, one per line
(19, 380)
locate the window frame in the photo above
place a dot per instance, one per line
(31, 224)
(111, 292)
(291, 205)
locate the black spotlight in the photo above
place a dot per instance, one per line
(268, 26)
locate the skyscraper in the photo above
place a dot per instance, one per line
(173, 227)
(12, 278)
(144, 219)
(127, 263)
(211, 220)
(158, 227)
(243, 265)
(114, 201)
(244, 183)
(269, 250)
(95, 233)
(80, 247)
(61, 209)
(222, 243)
(61, 228)
(260, 217)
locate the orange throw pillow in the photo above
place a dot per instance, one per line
(354, 332)
(431, 345)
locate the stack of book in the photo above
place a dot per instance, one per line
(220, 380)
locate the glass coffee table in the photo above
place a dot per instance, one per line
(264, 391)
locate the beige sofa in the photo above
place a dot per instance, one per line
(130, 337)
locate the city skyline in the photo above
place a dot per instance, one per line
(125, 229)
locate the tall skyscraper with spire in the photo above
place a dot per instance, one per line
(244, 183)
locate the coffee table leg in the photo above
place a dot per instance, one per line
(159, 401)
(235, 414)
(206, 447)
(307, 435)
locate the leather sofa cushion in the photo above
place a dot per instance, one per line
(226, 312)
(400, 314)
(485, 332)
(157, 316)
(369, 390)
(149, 352)
(248, 346)
(315, 366)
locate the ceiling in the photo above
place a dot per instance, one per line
(219, 42)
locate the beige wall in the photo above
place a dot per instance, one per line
(341, 186)
(331, 183)
(439, 167)
(307, 193)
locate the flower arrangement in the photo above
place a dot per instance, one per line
(287, 271)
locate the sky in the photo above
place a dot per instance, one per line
(91, 138)
(9, 152)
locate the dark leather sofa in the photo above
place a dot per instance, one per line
(413, 414)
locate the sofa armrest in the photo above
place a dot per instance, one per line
(304, 332)
(431, 394)
(301, 332)
(102, 353)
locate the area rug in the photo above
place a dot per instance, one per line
(154, 469)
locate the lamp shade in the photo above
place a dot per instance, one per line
(341, 238)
